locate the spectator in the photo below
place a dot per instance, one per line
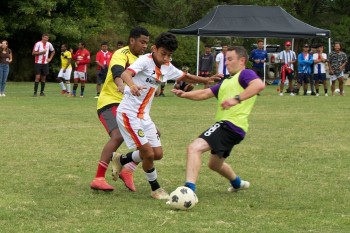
(82, 59)
(221, 62)
(337, 62)
(320, 59)
(206, 62)
(287, 58)
(5, 60)
(259, 57)
(103, 57)
(41, 51)
(66, 69)
(305, 61)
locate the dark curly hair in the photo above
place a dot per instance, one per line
(166, 40)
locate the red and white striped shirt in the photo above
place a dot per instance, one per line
(40, 47)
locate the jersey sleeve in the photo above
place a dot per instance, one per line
(246, 76)
(138, 65)
(36, 47)
(51, 47)
(98, 57)
(173, 73)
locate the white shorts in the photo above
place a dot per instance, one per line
(137, 132)
(80, 75)
(66, 75)
(335, 77)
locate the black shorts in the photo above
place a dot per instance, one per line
(101, 76)
(107, 116)
(221, 139)
(259, 71)
(303, 78)
(42, 69)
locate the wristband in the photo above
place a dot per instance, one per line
(238, 98)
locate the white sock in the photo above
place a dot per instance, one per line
(136, 156)
(152, 175)
(62, 86)
(68, 87)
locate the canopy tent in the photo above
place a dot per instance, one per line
(250, 22)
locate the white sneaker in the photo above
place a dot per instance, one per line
(244, 185)
(3, 95)
(317, 94)
(116, 165)
(292, 94)
(281, 94)
(160, 194)
(326, 94)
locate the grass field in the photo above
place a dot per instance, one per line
(296, 156)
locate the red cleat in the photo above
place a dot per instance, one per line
(101, 184)
(127, 176)
(63, 92)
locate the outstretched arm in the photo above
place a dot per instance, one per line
(194, 95)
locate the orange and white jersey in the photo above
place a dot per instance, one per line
(148, 75)
(39, 47)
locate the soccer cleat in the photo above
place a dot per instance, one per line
(244, 185)
(317, 94)
(326, 94)
(281, 94)
(161, 95)
(35, 95)
(42, 94)
(160, 194)
(81, 96)
(127, 177)
(101, 184)
(71, 95)
(116, 165)
(292, 94)
(63, 92)
(96, 97)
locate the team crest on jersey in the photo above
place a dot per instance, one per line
(140, 133)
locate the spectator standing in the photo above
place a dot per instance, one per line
(66, 70)
(206, 62)
(41, 51)
(305, 61)
(82, 59)
(259, 57)
(287, 58)
(221, 61)
(320, 61)
(103, 57)
(337, 62)
(5, 60)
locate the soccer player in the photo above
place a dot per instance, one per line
(236, 96)
(107, 104)
(103, 57)
(41, 51)
(66, 69)
(133, 118)
(82, 59)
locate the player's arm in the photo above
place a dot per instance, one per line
(86, 59)
(117, 71)
(127, 77)
(190, 78)
(36, 52)
(98, 60)
(194, 95)
(52, 53)
(253, 88)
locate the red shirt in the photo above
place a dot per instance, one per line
(82, 58)
(103, 58)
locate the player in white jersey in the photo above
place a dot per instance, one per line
(135, 124)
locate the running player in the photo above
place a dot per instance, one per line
(66, 69)
(82, 59)
(133, 117)
(107, 104)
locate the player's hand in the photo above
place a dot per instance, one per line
(179, 93)
(257, 61)
(49, 60)
(121, 88)
(215, 77)
(136, 90)
(228, 103)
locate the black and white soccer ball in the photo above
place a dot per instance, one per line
(182, 198)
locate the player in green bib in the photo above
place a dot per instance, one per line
(236, 97)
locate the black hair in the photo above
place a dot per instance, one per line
(104, 43)
(65, 45)
(83, 43)
(120, 42)
(138, 32)
(166, 40)
(240, 51)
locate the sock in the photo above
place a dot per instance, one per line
(101, 169)
(36, 85)
(42, 87)
(151, 176)
(62, 86)
(68, 87)
(191, 186)
(75, 87)
(236, 183)
(98, 94)
(305, 92)
(82, 88)
(127, 158)
(131, 166)
(325, 91)
(317, 91)
(136, 160)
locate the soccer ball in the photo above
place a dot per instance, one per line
(183, 198)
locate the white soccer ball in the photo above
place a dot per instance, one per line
(183, 198)
(337, 90)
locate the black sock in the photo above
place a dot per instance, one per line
(75, 86)
(325, 91)
(127, 158)
(154, 183)
(305, 92)
(82, 88)
(36, 85)
(317, 90)
(42, 88)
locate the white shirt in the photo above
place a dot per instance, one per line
(221, 59)
(287, 57)
(39, 47)
(148, 75)
(321, 65)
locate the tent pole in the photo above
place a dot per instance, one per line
(329, 45)
(198, 43)
(265, 62)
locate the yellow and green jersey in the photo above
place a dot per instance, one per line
(65, 56)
